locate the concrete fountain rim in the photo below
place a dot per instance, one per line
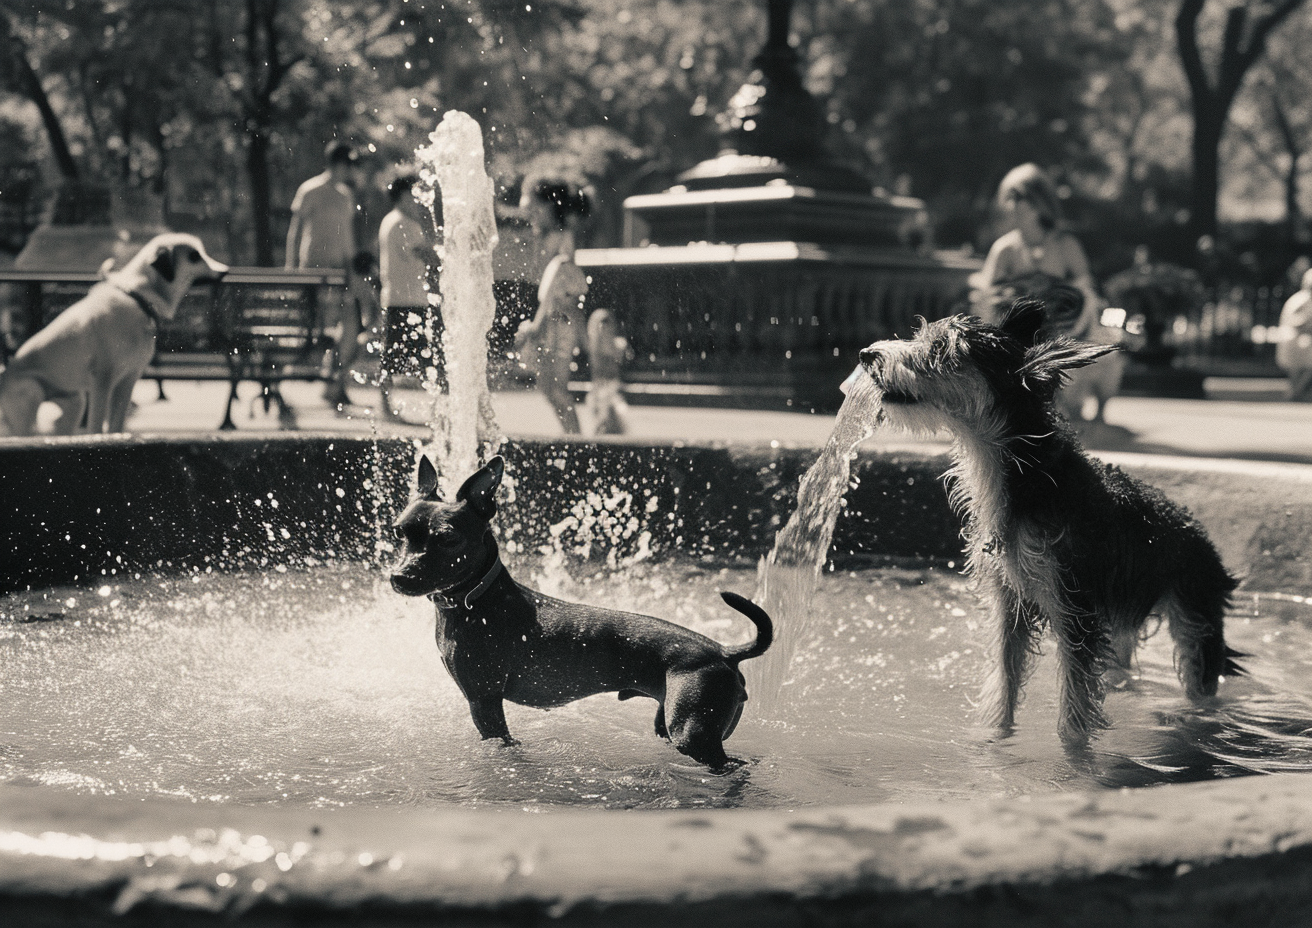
(198, 856)
(1182, 842)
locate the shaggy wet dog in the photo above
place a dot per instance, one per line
(1053, 539)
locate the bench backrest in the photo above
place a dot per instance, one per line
(222, 317)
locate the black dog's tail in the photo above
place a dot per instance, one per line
(764, 628)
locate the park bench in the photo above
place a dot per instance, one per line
(262, 325)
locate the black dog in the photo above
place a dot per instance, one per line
(1053, 538)
(501, 640)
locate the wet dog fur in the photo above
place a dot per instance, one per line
(501, 640)
(1053, 539)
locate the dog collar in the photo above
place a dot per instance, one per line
(444, 598)
(142, 302)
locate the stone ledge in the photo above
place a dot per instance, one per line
(1237, 852)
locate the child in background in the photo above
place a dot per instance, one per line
(607, 350)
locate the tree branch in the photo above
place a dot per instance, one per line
(34, 91)
(1186, 40)
(1237, 61)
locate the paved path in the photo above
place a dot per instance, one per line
(1269, 430)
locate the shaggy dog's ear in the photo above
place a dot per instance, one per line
(164, 263)
(1023, 321)
(1047, 364)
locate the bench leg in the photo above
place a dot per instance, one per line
(159, 388)
(286, 415)
(271, 395)
(227, 424)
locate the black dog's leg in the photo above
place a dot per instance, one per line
(700, 740)
(733, 722)
(659, 725)
(1015, 628)
(701, 708)
(490, 718)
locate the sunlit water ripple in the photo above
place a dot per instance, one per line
(322, 687)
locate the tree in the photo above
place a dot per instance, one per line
(17, 74)
(1273, 119)
(950, 94)
(265, 62)
(1243, 40)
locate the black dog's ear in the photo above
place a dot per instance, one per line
(426, 480)
(164, 264)
(1023, 321)
(1048, 363)
(481, 489)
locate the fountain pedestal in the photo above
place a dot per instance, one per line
(760, 275)
(774, 324)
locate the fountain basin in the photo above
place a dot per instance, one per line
(83, 510)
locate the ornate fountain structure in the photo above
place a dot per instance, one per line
(762, 273)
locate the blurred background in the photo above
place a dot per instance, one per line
(1179, 125)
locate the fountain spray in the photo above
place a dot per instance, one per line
(787, 577)
(452, 167)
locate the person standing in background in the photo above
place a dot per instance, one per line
(553, 339)
(322, 235)
(1294, 345)
(411, 334)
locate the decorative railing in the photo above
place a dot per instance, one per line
(778, 321)
(1233, 331)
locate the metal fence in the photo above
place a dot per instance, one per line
(1232, 332)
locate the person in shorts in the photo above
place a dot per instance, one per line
(408, 254)
(322, 235)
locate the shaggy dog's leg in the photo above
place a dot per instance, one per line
(1196, 619)
(1015, 629)
(1082, 649)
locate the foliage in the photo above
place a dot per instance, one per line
(953, 93)
(224, 106)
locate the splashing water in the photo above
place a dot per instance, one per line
(788, 575)
(452, 167)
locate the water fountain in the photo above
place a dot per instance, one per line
(789, 574)
(213, 706)
(762, 272)
(184, 742)
(452, 168)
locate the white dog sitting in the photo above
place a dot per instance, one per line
(91, 356)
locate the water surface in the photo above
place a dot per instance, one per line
(322, 687)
